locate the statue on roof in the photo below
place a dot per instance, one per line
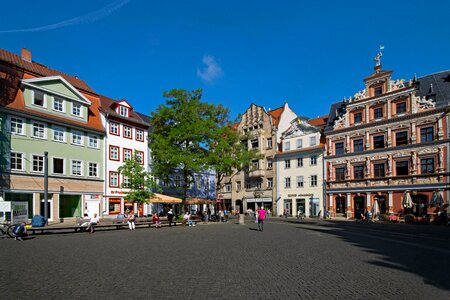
(378, 57)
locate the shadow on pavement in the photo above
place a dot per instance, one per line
(419, 249)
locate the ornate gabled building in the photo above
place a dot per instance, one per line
(389, 143)
(299, 169)
(248, 190)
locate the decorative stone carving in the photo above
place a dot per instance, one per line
(360, 95)
(340, 122)
(397, 84)
(424, 103)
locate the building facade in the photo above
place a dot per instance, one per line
(248, 190)
(46, 111)
(299, 170)
(387, 144)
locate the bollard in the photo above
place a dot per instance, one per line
(241, 219)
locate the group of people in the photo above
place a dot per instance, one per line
(89, 223)
(363, 217)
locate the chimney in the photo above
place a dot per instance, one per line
(25, 54)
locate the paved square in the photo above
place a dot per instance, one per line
(311, 260)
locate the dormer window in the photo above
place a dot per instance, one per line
(123, 111)
(378, 90)
(39, 98)
(76, 109)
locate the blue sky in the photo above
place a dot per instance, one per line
(307, 53)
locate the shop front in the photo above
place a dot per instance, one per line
(255, 203)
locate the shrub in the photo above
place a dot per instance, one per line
(410, 219)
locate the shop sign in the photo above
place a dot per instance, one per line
(292, 195)
(19, 212)
(258, 200)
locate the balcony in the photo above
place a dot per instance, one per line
(257, 173)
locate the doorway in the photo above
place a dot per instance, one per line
(340, 206)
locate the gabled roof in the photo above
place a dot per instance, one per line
(320, 122)
(107, 106)
(38, 69)
(380, 73)
(144, 118)
(437, 84)
(275, 114)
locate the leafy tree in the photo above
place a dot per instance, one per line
(139, 182)
(182, 131)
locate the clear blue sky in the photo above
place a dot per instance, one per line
(308, 53)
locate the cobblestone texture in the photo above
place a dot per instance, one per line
(288, 260)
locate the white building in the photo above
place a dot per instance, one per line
(126, 136)
(299, 170)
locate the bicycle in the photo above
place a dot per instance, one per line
(6, 230)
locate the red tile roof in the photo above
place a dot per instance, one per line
(39, 70)
(320, 122)
(276, 115)
(107, 105)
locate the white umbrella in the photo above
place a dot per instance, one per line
(375, 208)
(436, 199)
(407, 201)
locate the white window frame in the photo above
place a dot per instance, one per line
(127, 157)
(125, 129)
(75, 106)
(33, 156)
(33, 94)
(114, 128)
(90, 164)
(269, 143)
(93, 141)
(55, 100)
(287, 163)
(44, 130)
(299, 143)
(287, 146)
(118, 150)
(20, 123)
(299, 162)
(140, 135)
(313, 160)
(313, 184)
(312, 141)
(300, 181)
(139, 154)
(123, 111)
(116, 178)
(22, 161)
(75, 133)
(72, 161)
(64, 165)
(269, 182)
(59, 129)
(287, 182)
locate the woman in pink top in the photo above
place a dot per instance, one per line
(261, 217)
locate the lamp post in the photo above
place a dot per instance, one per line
(46, 186)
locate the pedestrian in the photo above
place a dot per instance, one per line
(186, 218)
(170, 217)
(20, 231)
(221, 216)
(156, 220)
(205, 214)
(131, 221)
(94, 221)
(261, 216)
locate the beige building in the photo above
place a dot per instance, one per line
(247, 190)
(299, 170)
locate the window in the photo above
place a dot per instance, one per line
(140, 135)
(93, 169)
(401, 167)
(255, 143)
(123, 111)
(378, 142)
(177, 181)
(339, 148)
(269, 164)
(93, 141)
(287, 146)
(427, 165)
(358, 172)
(58, 104)
(127, 132)
(378, 90)
(140, 157)
(77, 138)
(38, 130)
(400, 108)
(269, 143)
(378, 170)
(126, 181)
(59, 134)
(287, 163)
(340, 174)
(259, 184)
(299, 162)
(312, 141)
(58, 166)
(238, 186)
(16, 161)
(255, 164)
(426, 134)
(287, 182)
(299, 181)
(378, 113)
(76, 168)
(358, 145)
(113, 179)
(313, 180)
(248, 185)
(269, 182)
(127, 154)
(299, 143)
(17, 126)
(114, 128)
(401, 138)
(357, 118)
(76, 109)
(39, 98)
(38, 163)
(313, 160)
(113, 153)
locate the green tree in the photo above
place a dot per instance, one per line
(138, 181)
(182, 131)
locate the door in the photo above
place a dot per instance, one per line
(301, 206)
(287, 207)
(49, 209)
(340, 205)
(92, 207)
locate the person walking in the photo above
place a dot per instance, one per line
(170, 217)
(261, 217)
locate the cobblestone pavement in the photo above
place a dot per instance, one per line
(288, 260)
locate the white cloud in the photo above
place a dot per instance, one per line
(211, 71)
(84, 19)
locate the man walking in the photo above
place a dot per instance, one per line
(261, 217)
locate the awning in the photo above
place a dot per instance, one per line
(407, 201)
(436, 199)
(160, 198)
(191, 201)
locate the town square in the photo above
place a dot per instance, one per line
(225, 149)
